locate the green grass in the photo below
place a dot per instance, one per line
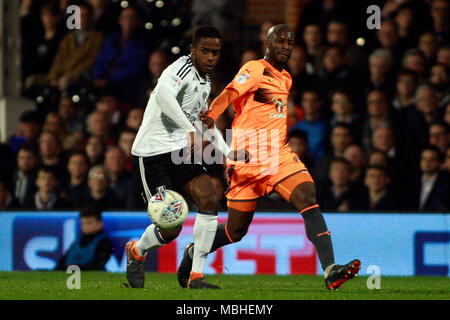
(106, 286)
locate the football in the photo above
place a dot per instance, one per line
(167, 209)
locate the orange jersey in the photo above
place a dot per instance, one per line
(261, 110)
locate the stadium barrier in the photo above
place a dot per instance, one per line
(393, 243)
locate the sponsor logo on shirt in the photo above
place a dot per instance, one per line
(242, 78)
(279, 105)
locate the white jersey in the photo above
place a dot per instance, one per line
(158, 132)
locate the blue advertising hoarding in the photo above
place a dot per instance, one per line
(399, 244)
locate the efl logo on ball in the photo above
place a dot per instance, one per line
(167, 209)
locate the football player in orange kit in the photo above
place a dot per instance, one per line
(259, 95)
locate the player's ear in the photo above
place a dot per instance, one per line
(192, 49)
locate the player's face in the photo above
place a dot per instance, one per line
(281, 46)
(206, 54)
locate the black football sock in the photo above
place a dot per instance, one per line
(221, 239)
(317, 232)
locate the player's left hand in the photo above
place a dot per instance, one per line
(208, 121)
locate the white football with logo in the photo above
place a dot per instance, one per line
(167, 209)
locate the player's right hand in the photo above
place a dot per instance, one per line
(208, 121)
(239, 155)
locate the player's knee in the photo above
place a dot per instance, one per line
(207, 201)
(170, 234)
(304, 195)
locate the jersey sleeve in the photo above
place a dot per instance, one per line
(247, 79)
(173, 79)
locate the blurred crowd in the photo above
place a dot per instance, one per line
(368, 113)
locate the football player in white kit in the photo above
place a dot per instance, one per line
(174, 105)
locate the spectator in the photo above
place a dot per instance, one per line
(338, 33)
(439, 81)
(334, 73)
(55, 123)
(120, 180)
(417, 121)
(46, 197)
(429, 46)
(7, 200)
(39, 46)
(109, 104)
(313, 123)
(427, 103)
(24, 176)
(414, 60)
(298, 141)
(120, 64)
(76, 53)
(337, 194)
(443, 55)
(77, 166)
(429, 191)
(99, 192)
(98, 125)
(377, 115)
(134, 118)
(356, 156)
(50, 152)
(377, 196)
(30, 125)
(384, 140)
(95, 150)
(440, 23)
(405, 90)
(126, 139)
(157, 62)
(378, 158)
(342, 106)
(297, 65)
(92, 248)
(313, 40)
(405, 19)
(340, 138)
(439, 136)
(380, 72)
(70, 115)
(388, 39)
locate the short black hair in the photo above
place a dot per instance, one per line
(340, 160)
(30, 147)
(91, 211)
(30, 116)
(435, 150)
(297, 133)
(378, 167)
(47, 169)
(204, 32)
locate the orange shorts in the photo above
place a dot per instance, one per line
(246, 183)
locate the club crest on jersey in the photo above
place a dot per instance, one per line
(242, 78)
(279, 105)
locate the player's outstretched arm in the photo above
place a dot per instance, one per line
(218, 106)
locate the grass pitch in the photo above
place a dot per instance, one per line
(110, 286)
